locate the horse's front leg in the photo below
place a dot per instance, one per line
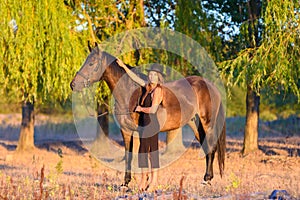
(128, 142)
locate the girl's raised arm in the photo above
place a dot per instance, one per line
(131, 74)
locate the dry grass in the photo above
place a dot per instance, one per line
(43, 174)
(74, 174)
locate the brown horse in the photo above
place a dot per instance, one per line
(192, 100)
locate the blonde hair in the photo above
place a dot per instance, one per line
(161, 79)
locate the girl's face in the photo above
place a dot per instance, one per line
(153, 77)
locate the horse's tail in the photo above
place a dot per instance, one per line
(221, 144)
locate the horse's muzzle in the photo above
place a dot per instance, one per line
(72, 85)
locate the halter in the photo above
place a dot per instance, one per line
(87, 81)
(87, 84)
(110, 110)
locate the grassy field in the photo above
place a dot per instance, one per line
(61, 167)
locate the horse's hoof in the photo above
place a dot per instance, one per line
(205, 182)
(124, 185)
(208, 177)
(124, 188)
(141, 190)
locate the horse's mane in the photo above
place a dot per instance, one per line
(119, 71)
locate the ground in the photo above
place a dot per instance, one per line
(66, 170)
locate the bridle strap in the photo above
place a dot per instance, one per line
(86, 82)
(82, 75)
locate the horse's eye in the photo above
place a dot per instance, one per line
(91, 64)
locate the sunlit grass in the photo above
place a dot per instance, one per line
(77, 175)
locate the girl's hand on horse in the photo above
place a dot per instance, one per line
(138, 109)
(121, 63)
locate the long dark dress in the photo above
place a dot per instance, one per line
(148, 134)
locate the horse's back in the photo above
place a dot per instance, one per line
(179, 102)
(206, 91)
(182, 100)
(186, 97)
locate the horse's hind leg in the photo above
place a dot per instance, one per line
(207, 142)
(209, 149)
(209, 174)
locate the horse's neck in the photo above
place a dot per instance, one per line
(112, 75)
(119, 84)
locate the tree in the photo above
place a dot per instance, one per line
(40, 46)
(193, 20)
(160, 12)
(103, 19)
(269, 58)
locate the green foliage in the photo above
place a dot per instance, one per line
(192, 20)
(39, 51)
(59, 167)
(160, 13)
(273, 62)
(235, 182)
(280, 105)
(267, 115)
(236, 102)
(40, 57)
(102, 20)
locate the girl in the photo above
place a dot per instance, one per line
(151, 98)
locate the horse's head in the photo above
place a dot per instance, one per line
(91, 71)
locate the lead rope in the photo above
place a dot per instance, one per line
(105, 113)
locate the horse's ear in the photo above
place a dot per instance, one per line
(98, 47)
(89, 45)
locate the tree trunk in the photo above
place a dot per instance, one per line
(252, 118)
(26, 139)
(252, 98)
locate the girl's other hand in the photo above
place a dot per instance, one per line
(138, 109)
